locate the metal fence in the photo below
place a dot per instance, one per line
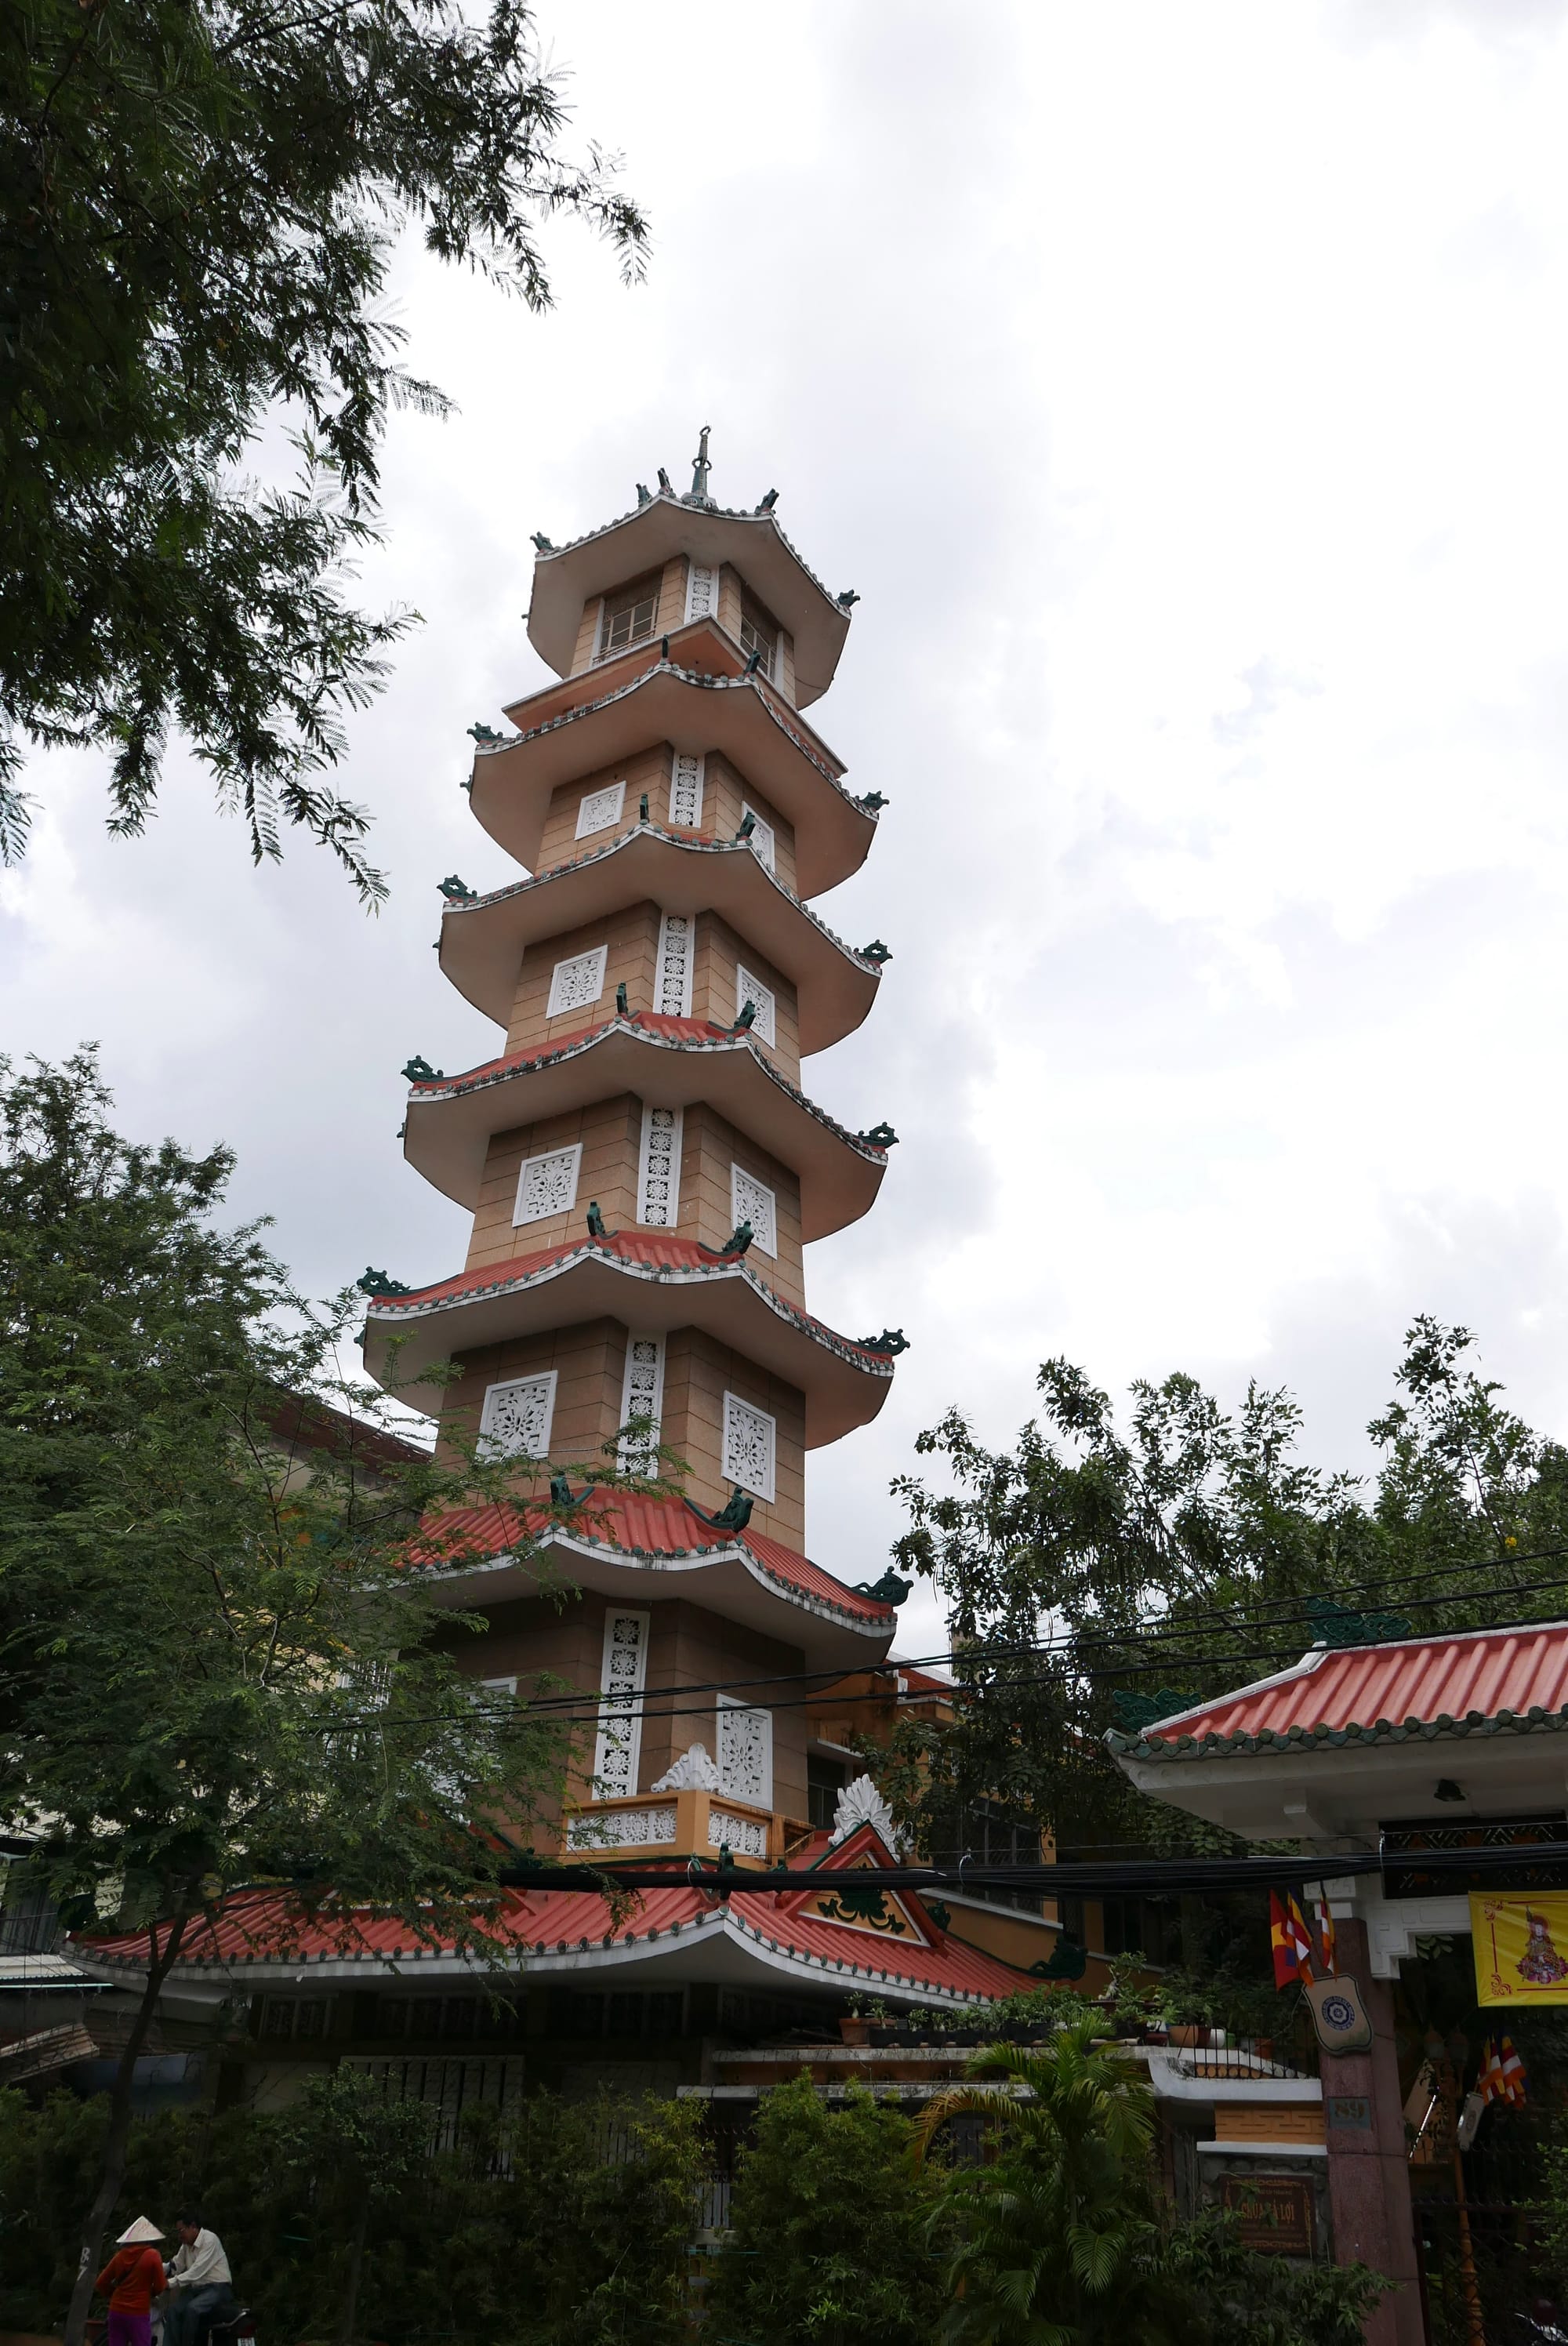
(1480, 2255)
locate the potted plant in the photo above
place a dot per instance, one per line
(1186, 2008)
(854, 2027)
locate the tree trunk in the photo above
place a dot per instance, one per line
(160, 1961)
(356, 2265)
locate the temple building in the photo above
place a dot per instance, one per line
(645, 1169)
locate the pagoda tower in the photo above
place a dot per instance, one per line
(644, 1170)
(642, 1163)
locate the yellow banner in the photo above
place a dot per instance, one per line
(1521, 1948)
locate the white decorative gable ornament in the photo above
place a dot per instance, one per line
(694, 1771)
(860, 1803)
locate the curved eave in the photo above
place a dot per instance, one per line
(448, 1126)
(483, 943)
(726, 1578)
(844, 1385)
(753, 543)
(738, 716)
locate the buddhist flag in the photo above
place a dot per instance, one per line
(1515, 2077)
(1328, 1939)
(1490, 2084)
(1290, 1941)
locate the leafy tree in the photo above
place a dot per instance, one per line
(198, 205)
(361, 2150)
(1189, 1548)
(222, 1666)
(1059, 2243)
(832, 2220)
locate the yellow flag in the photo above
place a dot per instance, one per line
(1521, 1948)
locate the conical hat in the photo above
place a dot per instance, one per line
(134, 2234)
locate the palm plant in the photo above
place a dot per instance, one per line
(1059, 2240)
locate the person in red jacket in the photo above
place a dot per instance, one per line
(132, 2278)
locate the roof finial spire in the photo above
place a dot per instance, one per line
(699, 470)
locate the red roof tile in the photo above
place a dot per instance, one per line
(648, 1526)
(547, 1921)
(1468, 1680)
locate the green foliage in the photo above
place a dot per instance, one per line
(836, 2230)
(1060, 2243)
(527, 2231)
(207, 1587)
(1180, 1549)
(198, 205)
(1269, 2300)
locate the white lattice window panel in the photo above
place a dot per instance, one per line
(701, 591)
(672, 977)
(618, 1744)
(601, 809)
(658, 1168)
(750, 1442)
(642, 1396)
(751, 1200)
(763, 844)
(745, 1752)
(547, 1184)
(515, 1419)
(574, 983)
(752, 989)
(686, 782)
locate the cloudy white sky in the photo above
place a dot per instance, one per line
(1184, 391)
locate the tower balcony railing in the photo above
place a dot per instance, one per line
(689, 1823)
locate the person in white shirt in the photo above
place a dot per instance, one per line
(201, 2287)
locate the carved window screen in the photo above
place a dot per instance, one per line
(752, 989)
(547, 1184)
(576, 983)
(672, 978)
(749, 1444)
(745, 1752)
(686, 782)
(642, 1396)
(601, 809)
(763, 846)
(658, 1168)
(515, 1420)
(701, 591)
(751, 1200)
(618, 1744)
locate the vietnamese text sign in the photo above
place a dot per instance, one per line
(1273, 2212)
(1521, 1948)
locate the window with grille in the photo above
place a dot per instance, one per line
(752, 989)
(629, 614)
(749, 1438)
(992, 1834)
(751, 1200)
(547, 1184)
(763, 844)
(601, 809)
(577, 983)
(759, 634)
(515, 1420)
(825, 1780)
(619, 1741)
